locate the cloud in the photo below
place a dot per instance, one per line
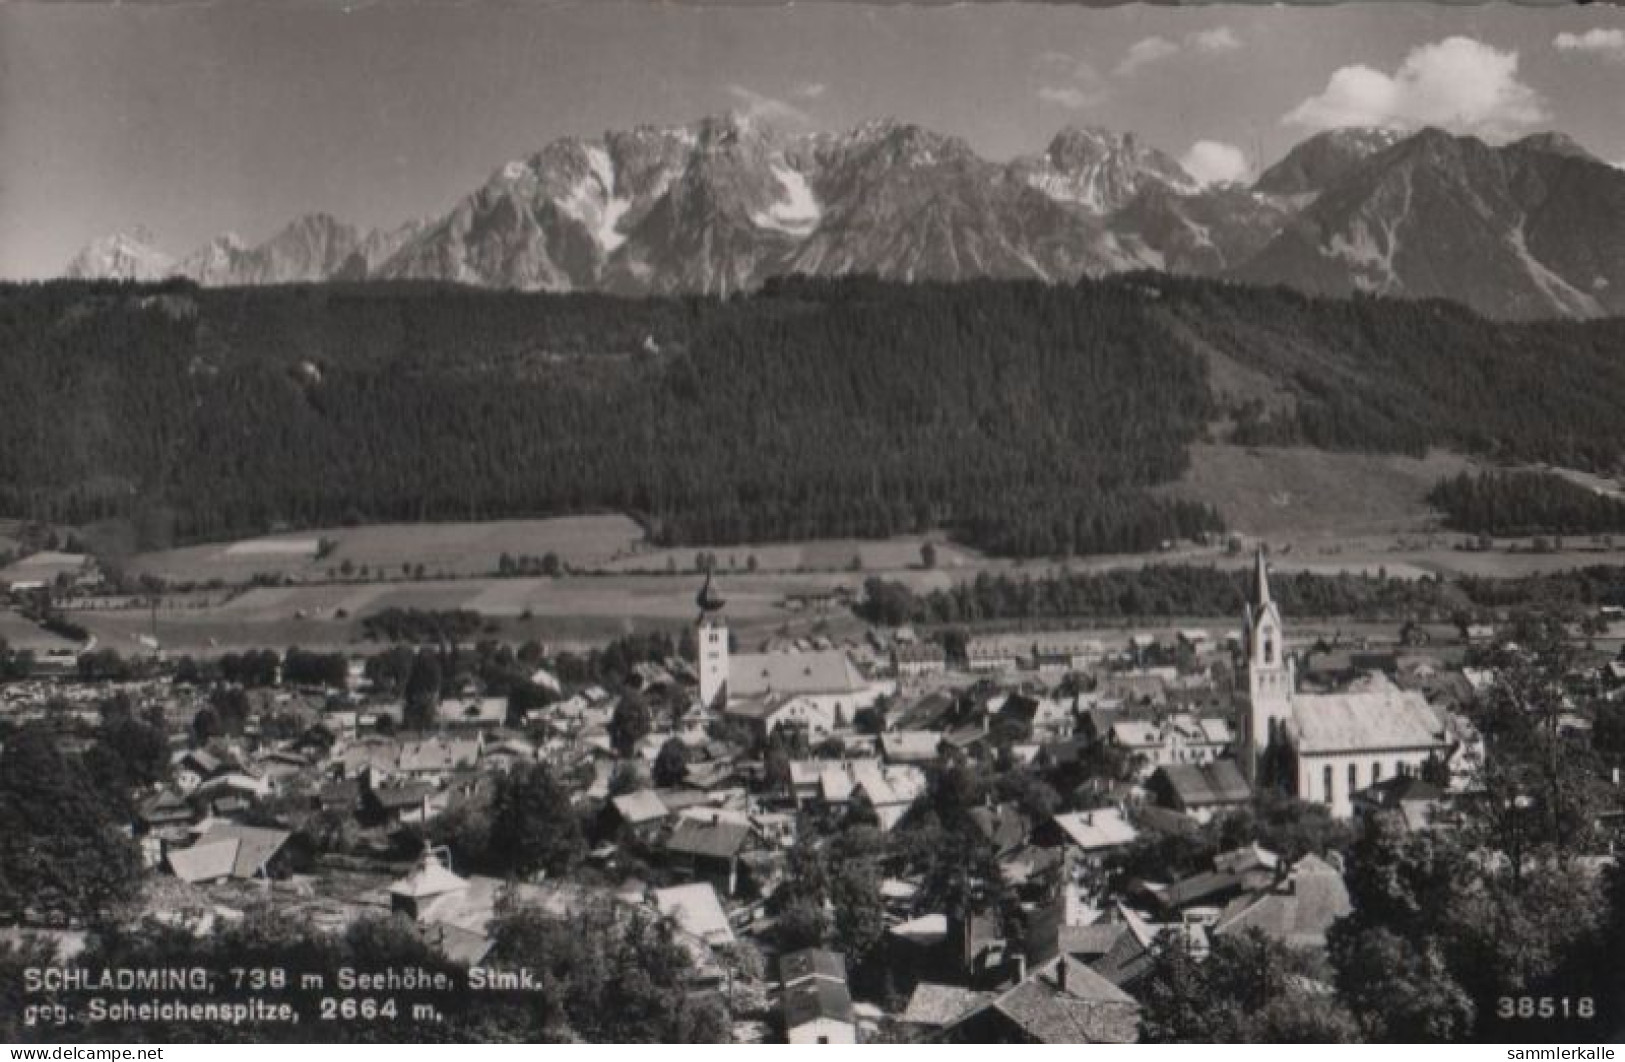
(755, 105)
(1213, 162)
(1145, 52)
(1607, 43)
(1074, 99)
(811, 90)
(1459, 84)
(1215, 41)
(1066, 81)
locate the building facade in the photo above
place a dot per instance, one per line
(1324, 748)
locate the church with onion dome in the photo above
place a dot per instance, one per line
(819, 691)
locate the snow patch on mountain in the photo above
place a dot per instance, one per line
(614, 207)
(122, 256)
(798, 212)
(1371, 253)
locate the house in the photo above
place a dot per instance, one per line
(817, 717)
(1143, 689)
(711, 775)
(709, 845)
(378, 755)
(1255, 864)
(230, 793)
(991, 653)
(817, 1001)
(487, 713)
(195, 766)
(933, 1007)
(453, 913)
(1419, 805)
(1044, 718)
(1094, 834)
(165, 810)
(1061, 1002)
(1189, 738)
(1065, 925)
(435, 757)
(1190, 897)
(890, 790)
(642, 811)
(928, 713)
(1065, 651)
(402, 802)
(695, 910)
(507, 754)
(1200, 790)
(910, 746)
(1296, 912)
(416, 894)
(379, 715)
(1196, 640)
(228, 851)
(1003, 826)
(919, 658)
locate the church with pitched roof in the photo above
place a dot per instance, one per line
(819, 690)
(1323, 747)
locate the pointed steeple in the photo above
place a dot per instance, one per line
(1261, 582)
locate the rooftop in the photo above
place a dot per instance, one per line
(818, 671)
(1384, 718)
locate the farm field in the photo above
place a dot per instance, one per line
(826, 555)
(1308, 495)
(571, 610)
(19, 633)
(582, 610)
(1320, 512)
(443, 549)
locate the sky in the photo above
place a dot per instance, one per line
(193, 119)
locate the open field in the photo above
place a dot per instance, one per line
(19, 633)
(1317, 511)
(824, 555)
(590, 609)
(1305, 495)
(443, 549)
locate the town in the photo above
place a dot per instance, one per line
(923, 832)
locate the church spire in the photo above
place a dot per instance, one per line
(1261, 582)
(708, 599)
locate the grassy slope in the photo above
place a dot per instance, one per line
(1300, 493)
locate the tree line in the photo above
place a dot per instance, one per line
(1026, 419)
(1525, 503)
(1175, 590)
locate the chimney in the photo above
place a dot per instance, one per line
(1060, 972)
(1021, 967)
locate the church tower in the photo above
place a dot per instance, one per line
(712, 644)
(1268, 675)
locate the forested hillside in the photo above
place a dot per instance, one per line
(1514, 503)
(1026, 418)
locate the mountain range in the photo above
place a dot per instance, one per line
(1529, 229)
